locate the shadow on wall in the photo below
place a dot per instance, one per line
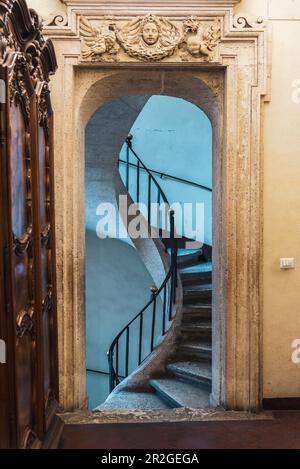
(173, 136)
(117, 287)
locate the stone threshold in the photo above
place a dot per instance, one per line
(159, 416)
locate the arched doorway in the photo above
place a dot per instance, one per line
(96, 91)
(237, 198)
(177, 146)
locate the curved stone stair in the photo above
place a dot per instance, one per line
(179, 393)
(187, 379)
(134, 400)
(190, 375)
(191, 372)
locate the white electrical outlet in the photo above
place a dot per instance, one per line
(287, 263)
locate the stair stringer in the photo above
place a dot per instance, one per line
(151, 251)
(157, 262)
(155, 365)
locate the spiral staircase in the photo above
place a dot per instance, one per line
(162, 358)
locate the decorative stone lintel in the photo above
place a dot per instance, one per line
(167, 3)
(150, 38)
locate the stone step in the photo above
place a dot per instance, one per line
(195, 349)
(202, 267)
(196, 372)
(192, 329)
(189, 260)
(178, 393)
(195, 278)
(133, 401)
(196, 312)
(197, 293)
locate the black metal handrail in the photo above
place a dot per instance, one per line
(161, 196)
(167, 291)
(169, 176)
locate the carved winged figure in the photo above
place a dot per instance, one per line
(98, 41)
(204, 40)
(149, 38)
(210, 38)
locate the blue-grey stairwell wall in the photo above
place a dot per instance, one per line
(170, 135)
(174, 136)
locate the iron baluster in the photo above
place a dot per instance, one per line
(154, 297)
(117, 360)
(149, 199)
(127, 352)
(141, 338)
(167, 289)
(164, 310)
(138, 182)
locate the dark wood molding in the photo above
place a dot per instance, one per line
(281, 403)
(29, 381)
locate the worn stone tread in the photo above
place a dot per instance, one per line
(195, 370)
(181, 394)
(133, 400)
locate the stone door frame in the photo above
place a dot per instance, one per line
(237, 80)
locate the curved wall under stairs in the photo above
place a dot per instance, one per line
(177, 373)
(105, 185)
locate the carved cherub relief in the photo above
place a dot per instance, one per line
(149, 38)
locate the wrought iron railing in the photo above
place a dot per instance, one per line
(134, 350)
(137, 340)
(159, 197)
(162, 175)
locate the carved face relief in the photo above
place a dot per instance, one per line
(149, 38)
(150, 33)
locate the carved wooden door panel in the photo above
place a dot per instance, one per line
(5, 437)
(22, 252)
(45, 236)
(27, 206)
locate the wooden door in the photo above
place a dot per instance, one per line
(28, 244)
(5, 427)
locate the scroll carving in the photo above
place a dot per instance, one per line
(19, 87)
(21, 245)
(45, 235)
(242, 22)
(48, 302)
(56, 20)
(25, 323)
(149, 39)
(30, 439)
(6, 41)
(44, 109)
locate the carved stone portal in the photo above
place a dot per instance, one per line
(217, 61)
(150, 38)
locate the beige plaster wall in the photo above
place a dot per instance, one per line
(281, 154)
(281, 309)
(46, 7)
